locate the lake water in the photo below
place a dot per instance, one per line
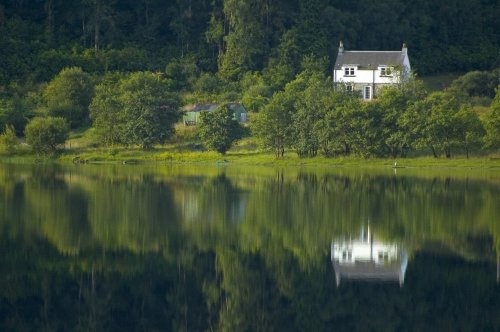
(196, 248)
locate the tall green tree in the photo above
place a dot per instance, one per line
(311, 106)
(247, 42)
(218, 129)
(8, 140)
(106, 111)
(13, 113)
(469, 129)
(68, 95)
(274, 124)
(432, 120)
(392, 103)
(150, 109)
(492, 123)
(137, 109)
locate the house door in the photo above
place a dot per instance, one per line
(367, 92)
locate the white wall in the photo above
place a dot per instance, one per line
(365, 77)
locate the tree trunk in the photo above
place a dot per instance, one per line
(49, 29)
(466, 149)
(433, 151)
(97, 21)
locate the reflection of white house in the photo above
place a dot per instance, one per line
(365, 258)
(368, 71)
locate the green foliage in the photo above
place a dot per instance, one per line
(469, 129)
(136, 109)
(13, 113)
(182, 72)
(207, 86)
(235, 36)
(246, 43)
(434, 122)
(218, 130)
(274, 124)
(8, 140)
(106, 111)
(255, 92)
(476, 84)
(244, 51)
(392, 103)
(492, 123)
(150, 109)
(46, 134)
(69, 94)
(311, 106)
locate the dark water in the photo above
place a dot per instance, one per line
(184, 248)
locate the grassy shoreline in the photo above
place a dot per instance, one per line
(166, 155)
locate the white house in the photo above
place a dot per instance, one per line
(368, 71)
(366, 258)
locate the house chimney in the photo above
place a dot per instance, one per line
(341, 47)
(405, 49)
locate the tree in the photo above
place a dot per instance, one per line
(348, 124)
(492, 123)
(8, 140)
(46, 134)
(219, 130)
(393, 103)
(150, 109)
(68, 95)
(476, 84)
(14, 113)
(311, 106)
(182, 72)
(274, 125)
(105, 111)
(469, 129)
(255, 91)
(432, 122)
(137, 109)
(246, 42)
(206, 87)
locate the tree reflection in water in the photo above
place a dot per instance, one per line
(187, 248)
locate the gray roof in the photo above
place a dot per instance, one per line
(199, 107)
(211, 107)
(370, 59)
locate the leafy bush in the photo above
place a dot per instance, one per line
(46, 134)
(8, 140)
(219, 130)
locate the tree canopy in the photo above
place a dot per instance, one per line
(46, 134)
(138, 109)
(219, 130)
(68, 95)
(40, 38)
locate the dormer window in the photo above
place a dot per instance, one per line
(349, 71)
(385, 71)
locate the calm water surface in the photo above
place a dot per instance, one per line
(185, 248)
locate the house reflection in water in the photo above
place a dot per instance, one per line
(366, 258)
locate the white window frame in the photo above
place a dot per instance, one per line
(349, 71)
(349, 87)
(367, 92)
